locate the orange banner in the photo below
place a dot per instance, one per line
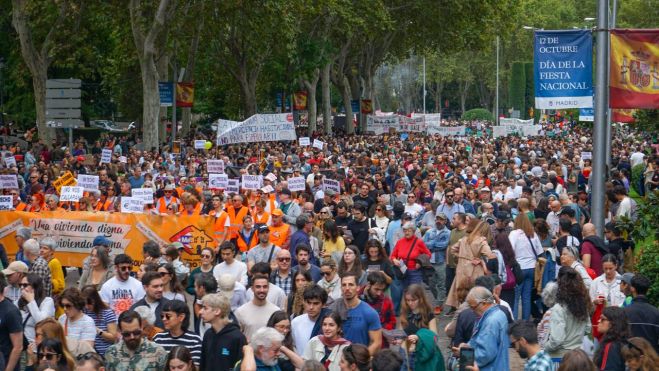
(300, 100)
(184, 94)
(75, 231)
(634, 79)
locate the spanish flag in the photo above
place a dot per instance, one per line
(300, 100)
(184, 94)
(634, 79)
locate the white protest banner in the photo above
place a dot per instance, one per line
(144, 194)
(267, 189)
(514, 121)
(271, 177)
(233, 186)
(10, 161)
(516, 129)
(381, 124)
(258, 128)
(409, 125)
(252, 182)
(123, 159)
(296, 183)
(332, 184)
(8, 181)
(88, 182)
(106, 156)
(6, 203)
(218, 181)
(317, 143)
(586, 155)
(446, 131)
(215, 166)
(305, 141)
(131, 205)
(199, 144)
(71, 193)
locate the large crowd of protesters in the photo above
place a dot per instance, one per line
(493, 233)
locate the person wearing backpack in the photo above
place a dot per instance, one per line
(592, 249)
(506, 267)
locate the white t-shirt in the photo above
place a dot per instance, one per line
(252, 317)
(237, 269)
(414, 209)
(121, 295)
(301, 327)
(276, 296)
(83, 328)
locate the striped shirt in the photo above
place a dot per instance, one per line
(189, 340)
(101, 321)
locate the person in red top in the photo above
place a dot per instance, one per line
(405, 253)
(373, 295)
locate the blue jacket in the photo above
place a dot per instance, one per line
(437, 241)
(297, 238)
(490, 341)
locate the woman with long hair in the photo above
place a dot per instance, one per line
(47, 328)
(542, 230)
(172, 289)
(350, 263)
(614, 327)
(180, 359)
(570, 316)
(378, 260)
(99, 269)
(542, 209)
(78, 326)
(288, 359)
(333, 243)
(104, 318)
(328, 347)
(527, 248)
(577, 359)
(33, 304)
(505, 249)
(51, 356)
(639, 355)
(355, 357)
(331, 282)
(295, 306)
(470, 252)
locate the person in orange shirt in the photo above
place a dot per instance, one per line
(37, 203)
(247, 236)
(52, 203)
(280, 232)
(259, 214)
(222, 222)
(167, 199)
(236, 211)
(18, 204)
(191, 206)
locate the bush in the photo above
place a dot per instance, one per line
(637, 175)
(478, 114)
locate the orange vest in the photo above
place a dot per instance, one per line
(102, 206)
(219, 224)
(21, 206)
(180, 191)
(162, 204)
(263, 219)
(243, 245)
(271, 200)
(279, 235)
(196, 211)
(236, 220)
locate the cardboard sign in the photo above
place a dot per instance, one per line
(106, 156)
(233, 186)
(297, 183)
(218, 181)
(199, 144)
(131, 205)
(305, 141)
(65, 180)
(271, 177)
(267, 189)
(123, 159)
(8, 181)
(144, 194)
(88, 182)
(73, 194)
(10, 161)
(252, 182)
(6, 203)
(318, 144)
(586, 155)
(215, 166)
(332, 184)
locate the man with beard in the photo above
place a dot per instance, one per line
(223, 342)
(122, 291)
(134, 352)
(373, 295)
(524, 337)
(263, 352)
(153, 287)
(255, 314)
(449, 207)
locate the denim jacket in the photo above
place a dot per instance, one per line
(437, 241)
(490, 341)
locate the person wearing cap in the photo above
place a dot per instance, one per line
(436, 239)
(501, 224)
(22, 234)
(38, 265)
(326, 201)
(266, 250)
(626, 288)
(163, 202)
(278, 231)
(290, 209)
(14, 274)
(11, 329)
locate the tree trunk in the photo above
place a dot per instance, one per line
(248, 92)
(151, 104)
(464, 90)
(312, 107)
(347, 97)
(327, 104)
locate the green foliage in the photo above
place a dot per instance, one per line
(637, 175)
(647, 120)
(529, 93)
(517, 86)
(478, 114)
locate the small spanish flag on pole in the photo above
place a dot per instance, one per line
(184, 94)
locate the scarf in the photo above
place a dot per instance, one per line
(331, 343)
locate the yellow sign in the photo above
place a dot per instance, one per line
(75, 231)
(65, 180)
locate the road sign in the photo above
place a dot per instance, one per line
(63, 84)
(63, 93)
(65, 123)
(63, 113)
(62, 103)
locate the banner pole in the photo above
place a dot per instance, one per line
(600, 145)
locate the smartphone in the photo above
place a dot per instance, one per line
(466, 358)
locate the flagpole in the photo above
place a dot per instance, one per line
(609, 128)
(424, 84)
(600, 146)
(496, 100)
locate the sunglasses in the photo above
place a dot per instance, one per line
(205, 256)
(124, 269)
(128, 334)
(47, 356)
(24, 285)
(167, 316)
(90, 355)
(163, 274)
(284, 259)
(67, 306)
(326, 273)
(323, 212)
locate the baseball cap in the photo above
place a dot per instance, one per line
(169, 187)
(485, 189)
(626, 278)
(101, 241)
(286, 191)
(330, 192)
(441, 215)
(264, 228)
(502, 215)
(567, 211)
(15, 267)
(407, 216)
(277, 212)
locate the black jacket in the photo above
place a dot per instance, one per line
(220, 351)
(643, 320)
(611, 359)
(158, 313)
